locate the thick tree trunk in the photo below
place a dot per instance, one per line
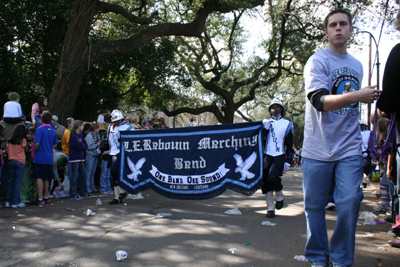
(229, 111)
(229, 116)
(74, 60)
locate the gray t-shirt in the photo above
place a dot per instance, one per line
(332, 135)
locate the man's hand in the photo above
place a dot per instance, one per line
(368, 94)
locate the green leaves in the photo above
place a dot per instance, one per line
(31, 38)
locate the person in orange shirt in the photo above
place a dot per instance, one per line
(65, 143)
(16, 148)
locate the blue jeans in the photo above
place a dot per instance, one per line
(78, 179)
(91, 166)
(4, 178)
(385, 181)
(105, 176)
(348, 173)
(16, 175)
(69, 171)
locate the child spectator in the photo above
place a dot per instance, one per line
(386, 194)
(65, 143)
(60, 161)
(77, 150)
(16, 147)
(100, 118)
(141, 119)
(37, 109)
(162, 124)
(40, 105)
(45, 140)
(12, 112)
(105, 176)
(136, 124)
(92, 156)
(146, 125)
(28, 187)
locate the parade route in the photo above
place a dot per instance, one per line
(198, 233)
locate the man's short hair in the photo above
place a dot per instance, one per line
(339, 10)
(46, 117)
(68, 122)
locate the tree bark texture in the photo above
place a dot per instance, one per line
(74, 60)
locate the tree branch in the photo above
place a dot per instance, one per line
(104, 7)
(196, 111)
(123, 47)
(243, 116)
(131, 88)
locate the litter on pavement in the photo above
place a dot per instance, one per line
(234, 211)
(268, 223)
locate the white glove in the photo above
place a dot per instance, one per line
(266, 123)
(365, 154)
(286, 166)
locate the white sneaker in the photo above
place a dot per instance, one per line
(330, 206)
(20, 205)
(383, 208)
(7, 205)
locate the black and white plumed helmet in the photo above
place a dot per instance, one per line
(277, 102)
(116, 115)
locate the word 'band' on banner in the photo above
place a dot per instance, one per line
(193, 162)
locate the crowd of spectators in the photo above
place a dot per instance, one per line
(38, 155)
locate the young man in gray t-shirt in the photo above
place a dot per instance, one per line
(332, 143)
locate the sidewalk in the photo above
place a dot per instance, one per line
(198, 233)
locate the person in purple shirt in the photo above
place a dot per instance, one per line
(77, 151)
(44, 142)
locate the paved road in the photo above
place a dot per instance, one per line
(198, 233)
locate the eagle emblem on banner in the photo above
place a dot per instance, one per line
(135, 168)
(244, 166)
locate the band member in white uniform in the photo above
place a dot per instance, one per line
(119, 124)
(278, 134)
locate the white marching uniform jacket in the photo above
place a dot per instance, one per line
(278, 129)
(365, 138)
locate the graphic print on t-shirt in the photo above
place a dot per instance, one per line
(346, 80)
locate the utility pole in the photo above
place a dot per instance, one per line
(369, 81)
(371, 37)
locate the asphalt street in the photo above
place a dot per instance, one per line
(197, 233)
